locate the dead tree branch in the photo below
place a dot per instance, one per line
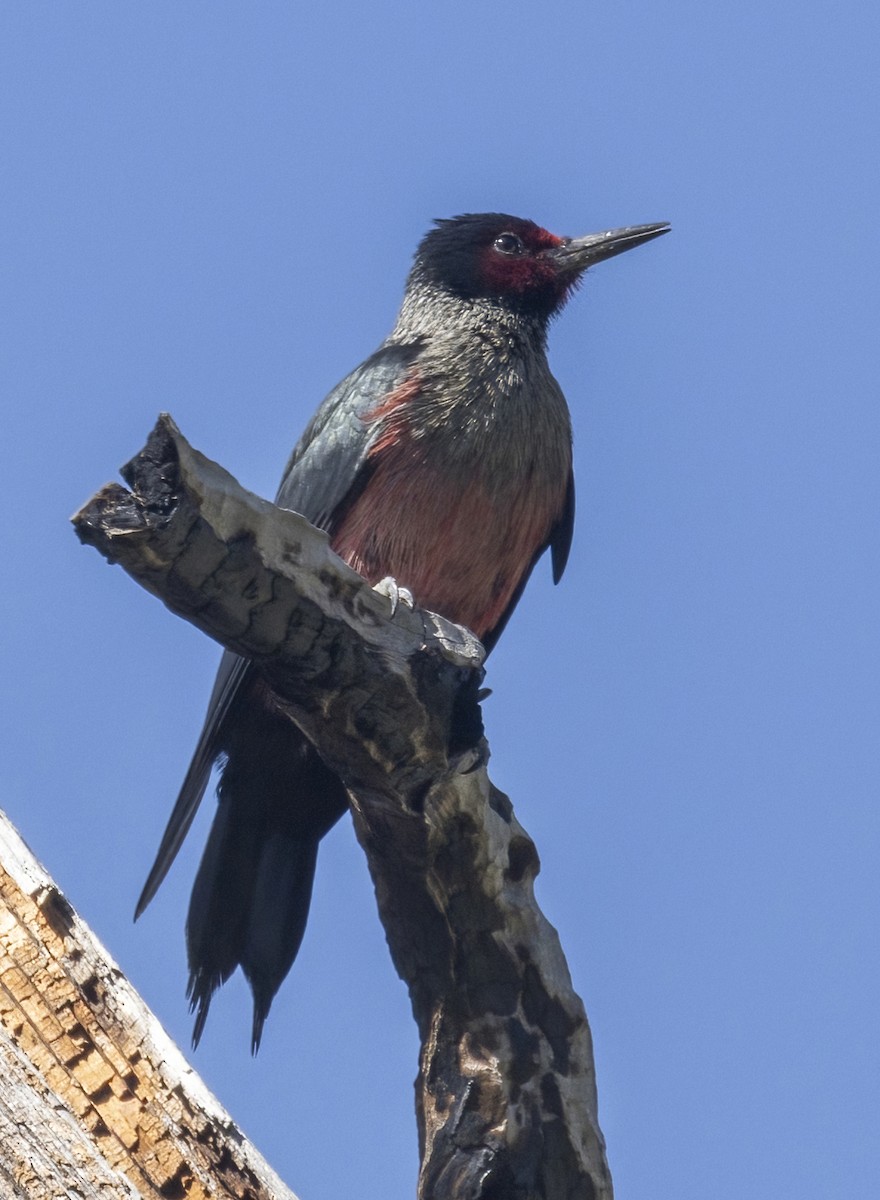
(95, 1099)
(506, 1087)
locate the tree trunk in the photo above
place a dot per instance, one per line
(96, 1101)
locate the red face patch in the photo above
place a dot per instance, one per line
(515, 262)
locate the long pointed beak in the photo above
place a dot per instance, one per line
(577, 254)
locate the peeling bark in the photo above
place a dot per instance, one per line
(96, 1100)
(506, 1093)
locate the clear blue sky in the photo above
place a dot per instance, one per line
(210, 208)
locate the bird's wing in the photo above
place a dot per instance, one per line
(559, 543)
(326, 471)
(562, 532)
(230, 674)
(329, 465)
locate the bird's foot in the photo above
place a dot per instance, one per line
(389, 588)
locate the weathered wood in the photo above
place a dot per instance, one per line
(506, 1090)
(96, 1101)
(263, 581)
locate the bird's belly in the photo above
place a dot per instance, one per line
(460, 546)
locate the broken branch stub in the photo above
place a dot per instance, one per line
(506, 1093)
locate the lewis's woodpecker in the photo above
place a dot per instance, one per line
(442, 462)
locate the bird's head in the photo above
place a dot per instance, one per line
(515, 262)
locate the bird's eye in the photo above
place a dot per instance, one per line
(509, 243)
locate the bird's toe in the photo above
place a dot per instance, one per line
(390, 588)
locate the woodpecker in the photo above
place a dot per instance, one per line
(444, 463)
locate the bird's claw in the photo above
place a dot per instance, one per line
(390, 588)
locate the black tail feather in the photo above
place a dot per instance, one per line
(250, 900)
(277, 921)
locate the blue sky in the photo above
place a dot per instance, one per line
(210, 209)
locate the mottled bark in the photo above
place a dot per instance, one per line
(506, 1088)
